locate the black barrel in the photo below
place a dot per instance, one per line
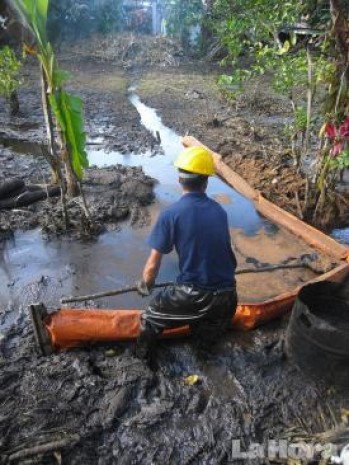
(11, 187)
(317, 337)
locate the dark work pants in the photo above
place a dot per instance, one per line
(208, 313)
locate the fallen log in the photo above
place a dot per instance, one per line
(43, 448)
(28, 198)
(11, 188)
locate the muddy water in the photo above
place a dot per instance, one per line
(116, 259)
(341, 235)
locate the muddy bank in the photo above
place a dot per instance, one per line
(279, 182)
(112, 123)
(112, 195)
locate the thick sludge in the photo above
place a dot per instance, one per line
(103, 405)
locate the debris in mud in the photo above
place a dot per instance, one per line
(112, 194)
(27, 195)
(130, 50)
(11, 187)
(39, 449)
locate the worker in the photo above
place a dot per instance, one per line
(204, 295)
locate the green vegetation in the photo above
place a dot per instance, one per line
(66, 108)
(69, 19)
(181, 15)
(9, 78)
(253, 29)
(109, 17)
(309, 66)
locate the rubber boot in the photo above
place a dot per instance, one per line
(146, 345)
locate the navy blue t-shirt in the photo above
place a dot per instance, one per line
(197, 227)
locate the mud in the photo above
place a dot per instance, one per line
(101, 404)
(275, 247)
(125, 412)
(247, 132)
(112, 195)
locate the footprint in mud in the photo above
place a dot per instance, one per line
(177, 359)
(213, 367)
(115, 404)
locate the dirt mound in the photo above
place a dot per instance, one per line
(112, 194)
(279, 181)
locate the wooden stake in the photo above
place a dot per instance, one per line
(170, 283)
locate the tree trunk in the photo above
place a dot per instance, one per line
(14, 104)
(206, 31)
(73, 189)
(52, 157)
(309, 102)
(341, 33)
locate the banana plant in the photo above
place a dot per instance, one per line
(66, 108)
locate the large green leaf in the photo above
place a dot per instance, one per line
(34, 16)
(56, 108)
(68, 110)
(42, 8)
(60, 76)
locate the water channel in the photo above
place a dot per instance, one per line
(116, 258)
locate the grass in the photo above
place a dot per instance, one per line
(113, 81)
(155, 83)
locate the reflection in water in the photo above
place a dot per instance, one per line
(113, 261)
(341, 235)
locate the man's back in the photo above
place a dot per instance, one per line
(197, 227)
(204, 296)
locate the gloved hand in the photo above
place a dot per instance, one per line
(143, 288)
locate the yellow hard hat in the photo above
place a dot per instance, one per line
(196, 160)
